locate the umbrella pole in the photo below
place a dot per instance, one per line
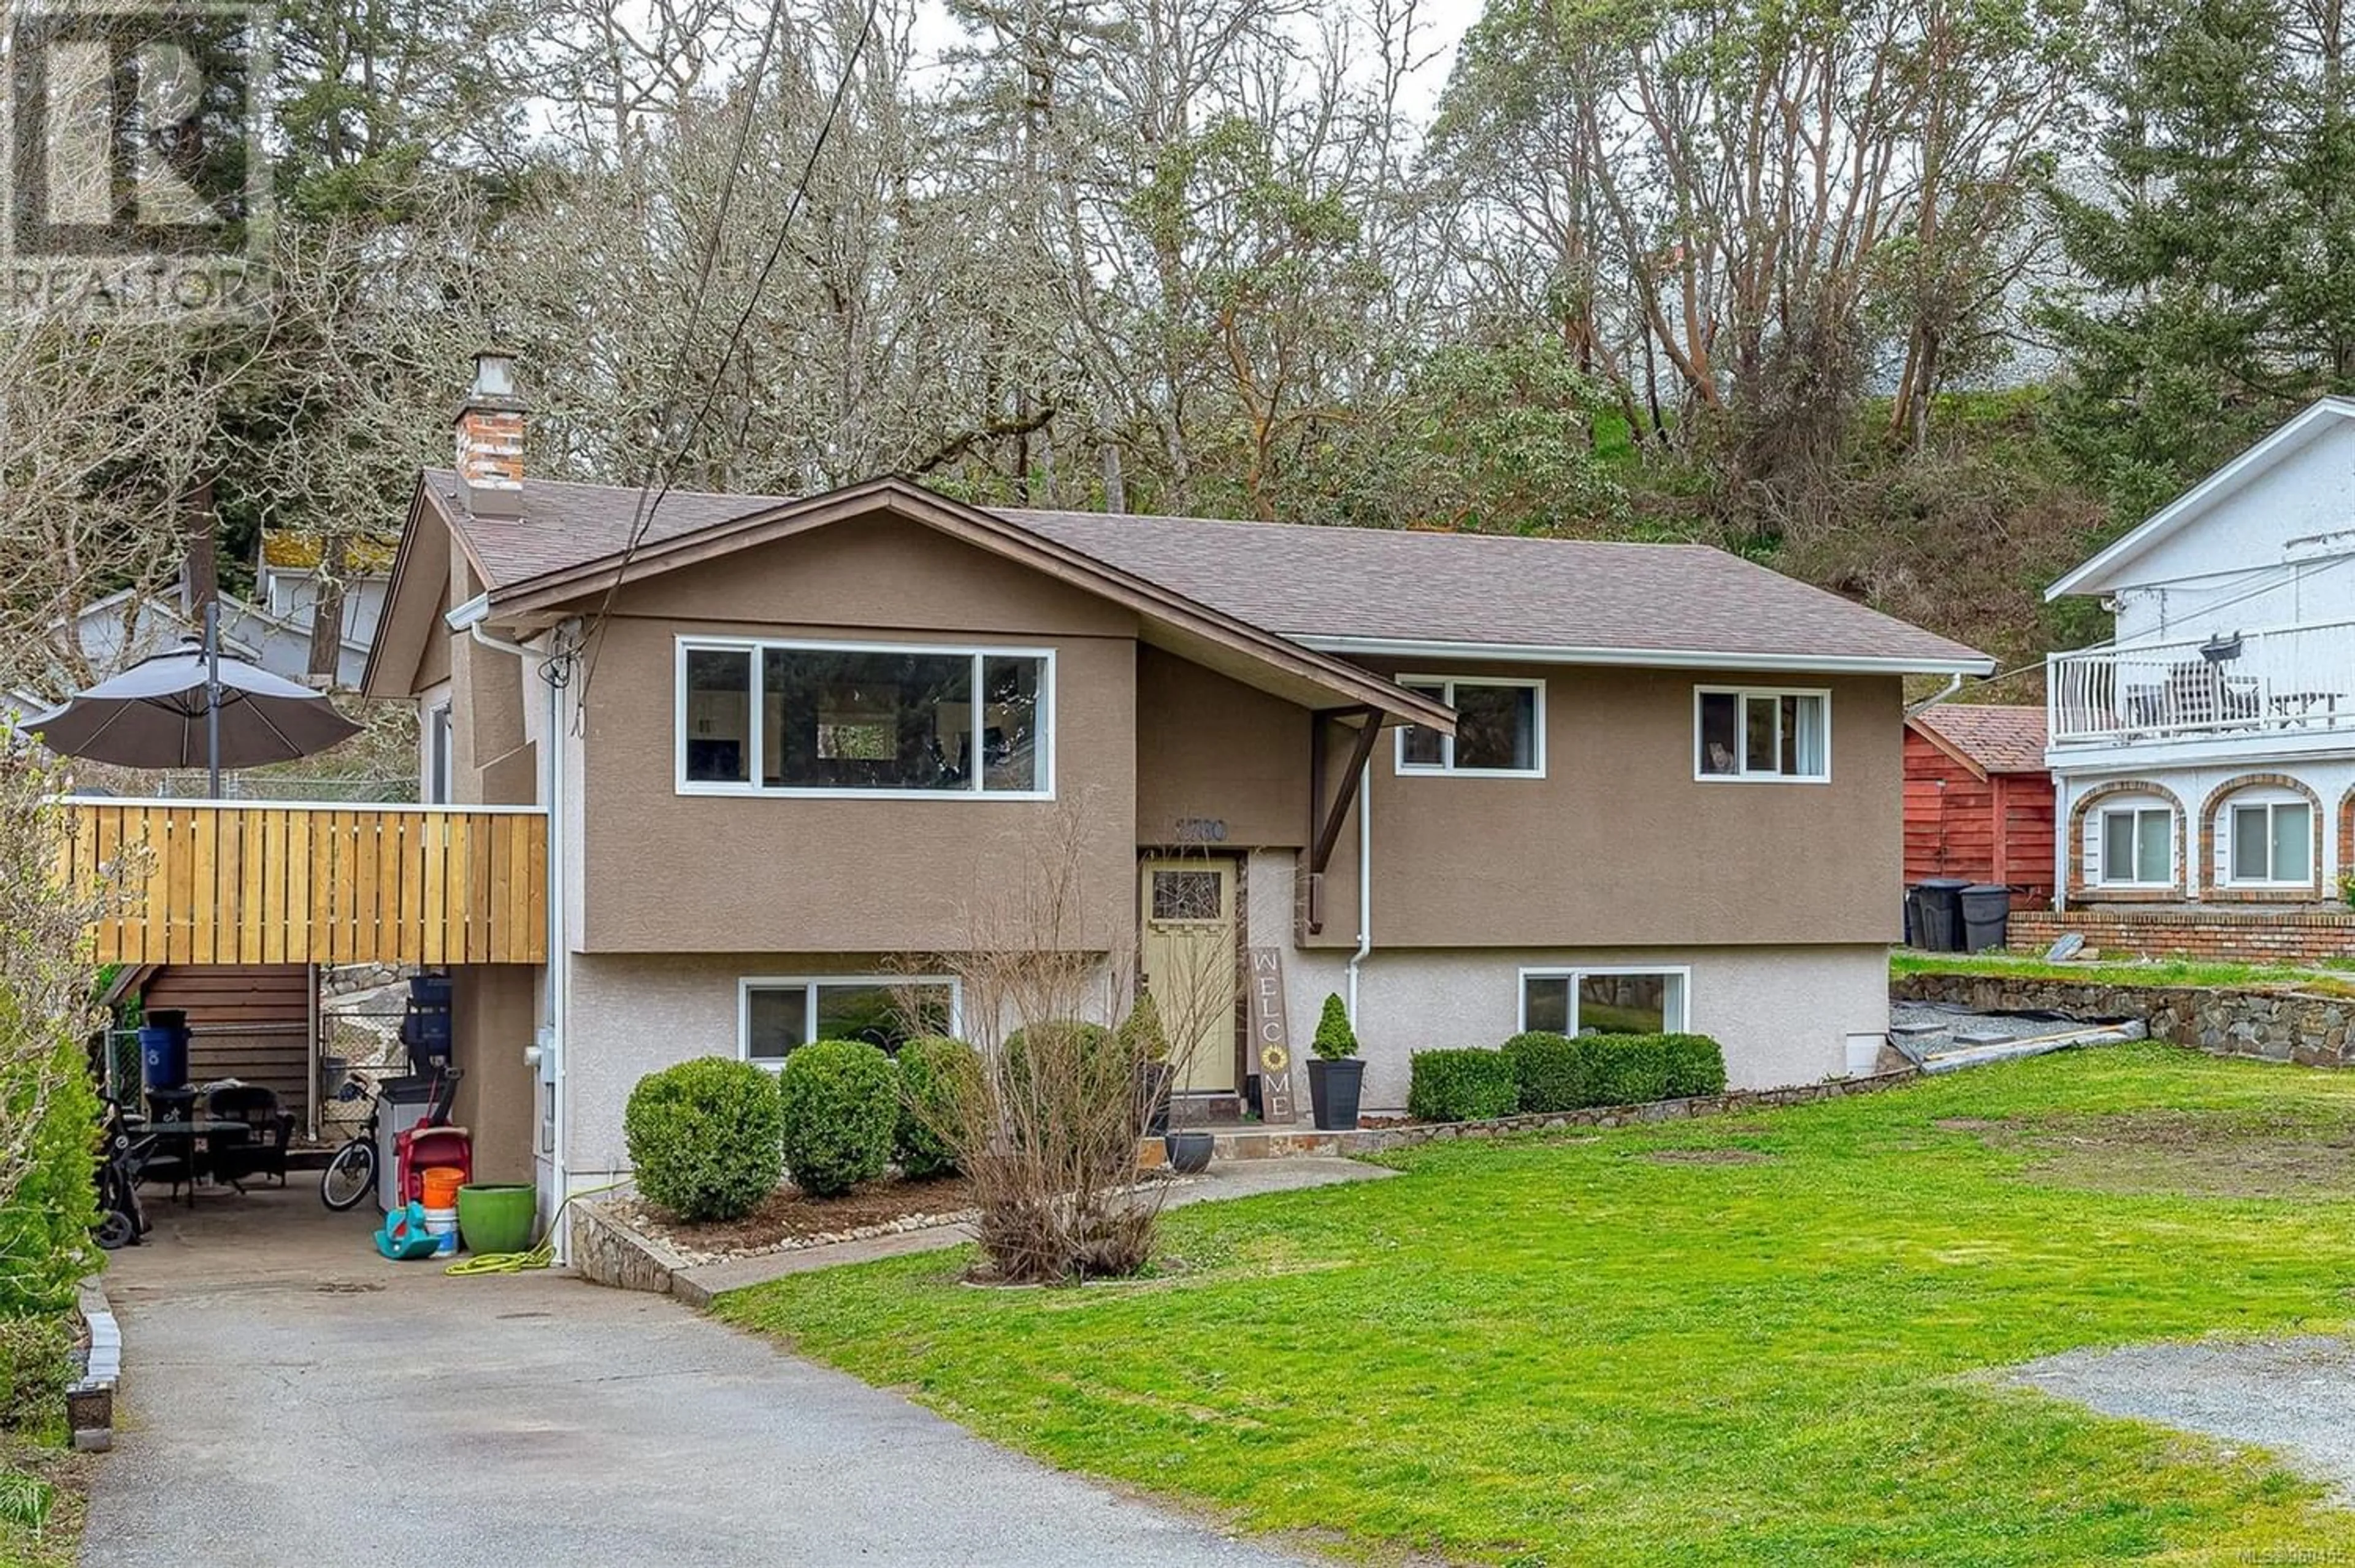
(212, 698)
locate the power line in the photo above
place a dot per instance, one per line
(643, 515)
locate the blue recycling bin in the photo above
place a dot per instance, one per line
(164, 1055)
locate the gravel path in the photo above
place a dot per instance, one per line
(2294, 1396)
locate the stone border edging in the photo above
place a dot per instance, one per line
(90, 1399)
(2267, 1022)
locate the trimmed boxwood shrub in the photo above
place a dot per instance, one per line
(1556, 1073)
(841, 1105)
(703, 1137)
(1461, 1086)
(934, 1072)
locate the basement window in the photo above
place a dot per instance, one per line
(2138, 848)
(2272, 843)
(774, 1017)
(1604, 1002)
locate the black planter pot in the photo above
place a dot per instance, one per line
(1333, 1086)
(1153, 1094)
(1189, 1152)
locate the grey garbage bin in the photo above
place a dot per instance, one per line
(1938, 914)
(1987, 915)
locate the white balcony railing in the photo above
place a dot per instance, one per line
(2289, 680)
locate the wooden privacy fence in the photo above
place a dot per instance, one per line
(233, 883)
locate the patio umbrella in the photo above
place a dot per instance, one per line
(190, 708)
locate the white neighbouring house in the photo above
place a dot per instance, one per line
(2204, 757)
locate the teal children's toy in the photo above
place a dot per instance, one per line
(404, 1235)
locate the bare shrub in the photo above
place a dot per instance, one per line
(1048, 1123)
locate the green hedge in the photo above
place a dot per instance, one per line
(935, 1071)
(841, 1105)
(1461, 1086)
(1558, 1072)
(703, 1137)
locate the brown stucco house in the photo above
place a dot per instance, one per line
(1471, 783)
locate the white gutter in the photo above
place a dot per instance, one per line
(1656, 658)
(1365, 884)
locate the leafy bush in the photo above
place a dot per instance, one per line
(1461, 1086)
(1556, 1073)
(703, 1137)
(44, 1223)
(936, 1074)
(841, 1105)
(35, 1365)
(1336, 1040)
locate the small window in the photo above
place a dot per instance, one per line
(1500, 728)
(830, 719)
(438, 765)
(1188, 896)
(2272, 841)
(1604, 1002)
(1744, 732)
(778, 1015)
(2137, 846)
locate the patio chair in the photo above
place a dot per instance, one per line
(263, 1150)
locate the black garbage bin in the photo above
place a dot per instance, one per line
(1986, 915)
(1938, 914)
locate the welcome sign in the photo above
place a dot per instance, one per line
(1270, 1039)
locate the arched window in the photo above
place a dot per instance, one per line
(2265, 838)
(2130, 842)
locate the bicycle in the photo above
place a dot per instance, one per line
(351, 1172)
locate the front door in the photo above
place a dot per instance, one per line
(1189, 953)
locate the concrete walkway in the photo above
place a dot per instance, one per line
(291, 1398)
(1236, 1178)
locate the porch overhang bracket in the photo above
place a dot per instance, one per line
(1325, 817)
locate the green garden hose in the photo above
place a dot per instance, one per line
(539, 1256)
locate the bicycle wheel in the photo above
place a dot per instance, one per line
(350, 1176)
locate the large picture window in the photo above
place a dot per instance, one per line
(1762, 733)
(775, 1016)
(865, 718)
(1604, 1002)
(2137, 846)
(2272, 842)
(1500, 728)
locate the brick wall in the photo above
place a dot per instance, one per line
(2275, 936)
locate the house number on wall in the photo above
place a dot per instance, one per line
(1202, 830)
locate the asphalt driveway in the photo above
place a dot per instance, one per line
(289, 1398)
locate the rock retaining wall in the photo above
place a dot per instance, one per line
(2275, 1024)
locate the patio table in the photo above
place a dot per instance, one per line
(193, 1138)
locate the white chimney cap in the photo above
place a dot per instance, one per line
(493, 375)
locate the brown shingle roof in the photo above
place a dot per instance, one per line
(1344, 585)
(2001, 739)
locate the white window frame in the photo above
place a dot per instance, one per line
(1681, 973)
(2258, 800)
(1741, 696)
(808, 985)
(1445, 766)
(2134, 808)
(754, 647)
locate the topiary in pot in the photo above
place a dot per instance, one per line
(840, 1099)
(1336, 1075)
(703, 1137)
(937, 1077)
(1147, 1045)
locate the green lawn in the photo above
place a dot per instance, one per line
(1768, 1340)
(2328, 978)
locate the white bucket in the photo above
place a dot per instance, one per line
(443, 1223)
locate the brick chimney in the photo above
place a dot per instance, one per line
(490, 438)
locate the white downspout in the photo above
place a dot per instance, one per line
(549, 1050)
(1365, 884)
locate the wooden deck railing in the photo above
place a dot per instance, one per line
(239, 883)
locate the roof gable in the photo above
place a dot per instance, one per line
(2329, 421)
(1988, 738)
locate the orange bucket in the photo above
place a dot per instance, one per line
(441, 1186)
